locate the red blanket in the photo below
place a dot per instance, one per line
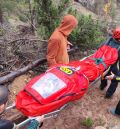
(63, 83)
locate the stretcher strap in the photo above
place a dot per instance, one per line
(99, 61)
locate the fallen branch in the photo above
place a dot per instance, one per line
(11, 76)
(26, 39)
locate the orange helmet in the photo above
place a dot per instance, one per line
(116, 33)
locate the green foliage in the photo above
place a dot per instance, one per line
(113, 10)
(88, 33)
(88, 122)
(49, 14)
(2, 31)
(8, 6)
(22, 18)
(42, 31)
(6, 9)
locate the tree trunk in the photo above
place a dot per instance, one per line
(12, 75)
(31, 17)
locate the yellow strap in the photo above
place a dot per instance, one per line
(118, 78)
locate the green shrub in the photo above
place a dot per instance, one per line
(23, 18)
(2, 31)
(49, 14)
(42, 31)
(88, 33)
(88, 122)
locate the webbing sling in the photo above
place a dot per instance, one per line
(99, 61)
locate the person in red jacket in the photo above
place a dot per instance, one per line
(58, 44)
(115, 68)
(116, 110)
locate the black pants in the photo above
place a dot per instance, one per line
(114, 83)
(117, 109)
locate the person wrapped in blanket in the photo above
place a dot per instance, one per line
(115, 111)
(6, 124)
(113, 41)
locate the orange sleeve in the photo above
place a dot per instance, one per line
(52, 50)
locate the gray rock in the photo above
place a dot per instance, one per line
(100, 127)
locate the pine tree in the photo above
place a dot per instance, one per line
(49, 14)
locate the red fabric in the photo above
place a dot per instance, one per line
(109, 55)
(116, 33)
(89, 67)
(76, 76)
(75, 83)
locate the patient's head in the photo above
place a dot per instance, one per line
(3, 98)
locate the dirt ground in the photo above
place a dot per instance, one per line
(92, 105)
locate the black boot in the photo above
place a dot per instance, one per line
(112, 88)
(108, 96)
(103, 84)
(117, 110)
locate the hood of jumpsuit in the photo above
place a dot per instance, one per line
(68, 23)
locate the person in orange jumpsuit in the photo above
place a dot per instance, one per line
(57, 45)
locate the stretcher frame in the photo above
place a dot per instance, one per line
(56, 112)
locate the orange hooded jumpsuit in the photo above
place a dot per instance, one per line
(57, 44)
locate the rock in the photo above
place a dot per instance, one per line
(85, 53)
(116, 127)
(100, 127)
(89, 114)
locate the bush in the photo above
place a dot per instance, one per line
(2, 31)
(88, 33)
(41, 31)
(88, 122)
(23, 18)
(49, 14)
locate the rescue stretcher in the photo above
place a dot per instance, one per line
(54, 113)
(100, 61)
